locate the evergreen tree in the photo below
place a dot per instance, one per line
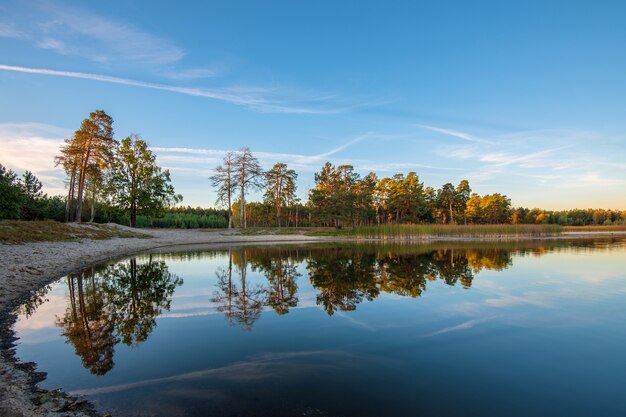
(137, 183)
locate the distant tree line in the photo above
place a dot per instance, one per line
(575, 217)
(119, 181)
(342, 198)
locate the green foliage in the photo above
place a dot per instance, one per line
(340, 197)
(280, 190)
(178, 218)
(184, 221)
(21, 198)
(137, 184)
(11, 194)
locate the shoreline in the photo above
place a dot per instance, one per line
(25, 268)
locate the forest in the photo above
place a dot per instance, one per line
(119, 181)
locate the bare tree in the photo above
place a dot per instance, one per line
(225, 181)
(249, 176)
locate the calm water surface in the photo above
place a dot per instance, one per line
(511, 329)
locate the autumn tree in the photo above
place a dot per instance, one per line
(280, 187)
(249, 176)
(491, 208)
(138, 185)
(224, 179)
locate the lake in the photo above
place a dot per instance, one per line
(447, 329)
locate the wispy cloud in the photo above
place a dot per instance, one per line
(32, 147)
(9, 31)
(193, 73)
(556, 159)
(186, 158)
(262, 100)
(593, 180)
(74, 31)
(266, 158)
(454, 133)
(463, 326)
(263, 366)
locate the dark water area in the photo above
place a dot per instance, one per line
(450, 329)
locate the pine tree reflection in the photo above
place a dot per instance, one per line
(88, 323)
(344, 278)
(119, 302)
(280, 269)
(241, 304)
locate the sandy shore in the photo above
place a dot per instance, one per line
(27, 267)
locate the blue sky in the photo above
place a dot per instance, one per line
(522, 98)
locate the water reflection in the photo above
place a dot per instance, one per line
(344, 276)
(121, 302)
(307, 329)
(115, 303)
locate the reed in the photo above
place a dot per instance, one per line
(417, 230)
(611, 228)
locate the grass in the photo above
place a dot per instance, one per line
(18, 231)
(410, 230)
(613, 228)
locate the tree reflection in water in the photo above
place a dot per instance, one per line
(241, 304)
(109, 304)
(120, 303)
(345, 275)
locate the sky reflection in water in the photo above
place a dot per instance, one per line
(531, 328)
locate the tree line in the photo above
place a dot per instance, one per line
(111, 180)
(341, 198)
(22, 198)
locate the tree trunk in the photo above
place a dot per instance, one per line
(133, 214)
(229, 193)
(81, 184)
(93, 204)
(242, 209)
(451, 216)
(69, 204)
